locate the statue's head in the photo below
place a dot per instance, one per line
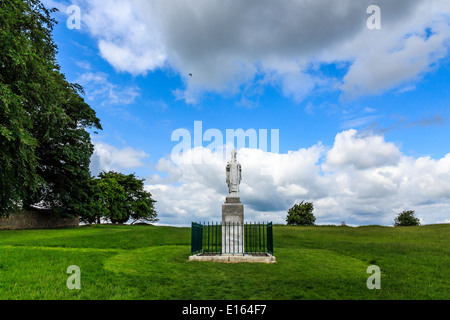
(233, 154)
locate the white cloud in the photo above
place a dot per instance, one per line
(226, 44)
(370, 182)
(97, 86)
(362, 152)
(107, 157)
(128, 37)
(84, 65)
(387, 65)
(123, 58)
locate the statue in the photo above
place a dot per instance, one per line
(234, 175)
(233, 211)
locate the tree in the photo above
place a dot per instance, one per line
(20, 60)
(301, 214)
(64, 154)
(405, 219)
(112, 199)
(45, 148)
(119, 198)
(95, 208)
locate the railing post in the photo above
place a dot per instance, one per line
(237, 237)
(270, 238)
(245, 237)
(259, 236)
(192, 238)
(264, 236)
(242, 235)
(196, 238)
(254, 237)
(234, 245)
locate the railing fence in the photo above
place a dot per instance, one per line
(232, 238)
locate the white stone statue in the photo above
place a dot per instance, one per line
(234, 175)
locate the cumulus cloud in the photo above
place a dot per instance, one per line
(125, 38)
(361, 179)
(107, 157)
(228, 44)
(362, 152)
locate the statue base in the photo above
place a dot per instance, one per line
(233, 226)
(233, 210)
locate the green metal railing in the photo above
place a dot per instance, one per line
(270, 238)
(196, 238)
(232, 238)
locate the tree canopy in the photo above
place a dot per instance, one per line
(301, 214)
(44, 143)
(406, 218)
(119, 198)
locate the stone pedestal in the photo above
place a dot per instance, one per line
(233, 226)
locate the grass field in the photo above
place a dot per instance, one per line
(147, 262)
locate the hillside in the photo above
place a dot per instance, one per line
(148, 262)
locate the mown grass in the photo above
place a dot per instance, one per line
(147, 262)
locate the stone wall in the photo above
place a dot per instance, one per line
(37, 220)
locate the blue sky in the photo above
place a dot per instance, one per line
(363, 115)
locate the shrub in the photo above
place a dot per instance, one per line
(405, 219)
(301, 214)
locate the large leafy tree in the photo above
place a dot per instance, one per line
(120, 198)
(64, 153)
(44, 143)
(109, 200)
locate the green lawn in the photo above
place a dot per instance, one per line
(146, 262)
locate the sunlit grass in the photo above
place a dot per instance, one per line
(147, 262)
